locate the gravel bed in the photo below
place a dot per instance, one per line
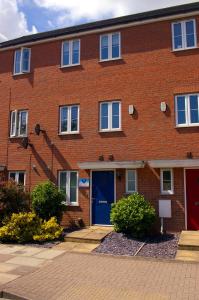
(119, 244)
(160, 246)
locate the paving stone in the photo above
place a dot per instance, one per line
(5, 267)
(5, 257)
(26, 261)
(23, 270)
(49, 254)
(187, 255)
(5, 277)
(10, 249)
(30, 251)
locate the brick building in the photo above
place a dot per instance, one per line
(106, 109)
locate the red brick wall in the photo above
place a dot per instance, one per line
(148, 73)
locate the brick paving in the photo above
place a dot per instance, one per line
(77, 276)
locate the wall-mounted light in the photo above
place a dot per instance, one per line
(189, 155)
(101, 158)
(131, 110)
(111, 157)
(34, 167)
(163, 106)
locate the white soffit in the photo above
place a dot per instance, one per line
(181, 163)
(102, 165)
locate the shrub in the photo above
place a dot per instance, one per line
(50, 230)
(47, 201)
(28, 227)
(13, 199)
(20, 228)
(133, 214)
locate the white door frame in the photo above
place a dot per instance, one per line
(91, 180)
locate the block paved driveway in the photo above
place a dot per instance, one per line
(91, 276)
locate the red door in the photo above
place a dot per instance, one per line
(192, 187)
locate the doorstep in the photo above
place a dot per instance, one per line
(188, 246)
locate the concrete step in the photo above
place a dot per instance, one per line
(82, 240)
(189, 240)
(185, 255)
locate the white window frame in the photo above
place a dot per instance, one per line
(17, 125)
(21, 61)
(127, 190)
(17, 176)
(69, 119)
(67, 201)
(184, 40)
(166, 192)
(110, 46)
(187, 110)
(70, 53)
(110, 116)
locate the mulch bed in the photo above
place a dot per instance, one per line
(159, 246)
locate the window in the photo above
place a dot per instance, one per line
(69, 119)
(187, 110)
(18, 177)
(22, 61)
(184, 35)
(131, 181)
(68, 183)
(166, 178)
(110, 116)
(110, 46)
(19, 123)
(70, 53)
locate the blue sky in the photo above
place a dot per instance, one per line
(22, 17)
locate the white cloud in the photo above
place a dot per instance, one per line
(74, 11)
(13, 23)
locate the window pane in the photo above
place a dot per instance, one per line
(75, 58)
(181, 113)
(104, 116)
(131, 186)
(12, 176)
(104, 47)
(115, 45)
(131, 175)
(166, 175)
(13, 123)
(21, 178)
(65, 49)
(115, 115)
(73, 187)
(62, 181)
(26, 60)
(74, 118)
(194, 109)
(17, 61)
(23, 123)
(177, 35)
(64, 119)
(190, 34)
(166, 185)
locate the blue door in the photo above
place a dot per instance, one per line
(102, 196)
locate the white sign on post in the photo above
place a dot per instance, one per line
(165, 208)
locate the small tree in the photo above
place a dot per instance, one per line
(47, 201)
(133, 215)
(13, 199)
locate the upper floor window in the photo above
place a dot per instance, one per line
(69, 119)
(19, 123)
(131, 181)
(70, 53)
(187, 110)
(68, 183)
(184, 35)
(22, 61)
(110, 46)
(18, 177)
(166, 181)
(110, 116)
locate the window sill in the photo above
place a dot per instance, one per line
(69, 133)
(18, 74)
(72, 205)
(187, 126)
(167, 194)
(184, 49)
(111, 59)
(69, 66)
(110, 131)
(18, 137)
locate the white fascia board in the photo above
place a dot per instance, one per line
(102, 165)
(181, 163)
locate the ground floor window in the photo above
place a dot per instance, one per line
(166, 181)
(68, 183)
(18, 177)
(131, 181)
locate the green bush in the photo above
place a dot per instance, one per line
(13, 199)
(20, 228)
(50, 230)
(133, 215)
(28, 227)
(47, 201)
